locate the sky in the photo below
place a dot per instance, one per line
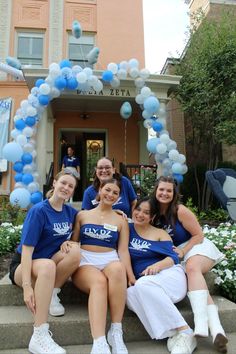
(165, 26)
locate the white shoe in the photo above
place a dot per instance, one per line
(115, 339)
(56, 308)
(182, 343)
(100, 347)
(41, 342)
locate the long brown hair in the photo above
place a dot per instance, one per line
(58, 176)
(96, 181)
(112, 181)
(170, 215)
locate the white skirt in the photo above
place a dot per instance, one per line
(206, 248)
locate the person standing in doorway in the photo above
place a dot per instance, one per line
(72, 163)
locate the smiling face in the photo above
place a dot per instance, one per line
(165, 192)
(109, 193)
(142, 214)
(64, 187)
(104, 170)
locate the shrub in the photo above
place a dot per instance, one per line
(9, 237)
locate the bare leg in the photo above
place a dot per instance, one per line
(66, 264)
(93, 282)
(117, 284)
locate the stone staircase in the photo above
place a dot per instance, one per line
(72, 330)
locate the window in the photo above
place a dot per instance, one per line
(30, 48)
(79, 48)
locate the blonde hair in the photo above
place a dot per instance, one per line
(64, 172)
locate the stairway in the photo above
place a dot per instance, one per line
(72, 330)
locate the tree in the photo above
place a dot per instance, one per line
(207, 91)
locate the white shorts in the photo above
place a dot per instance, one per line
(98, 259)
(206, 248)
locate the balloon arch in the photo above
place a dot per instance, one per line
(21, 151)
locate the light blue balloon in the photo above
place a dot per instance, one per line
(177, 168)
(151, 144)
(14, 62)
(126, 110)
(20, 197)
(76, 29)
(12, 152)
(151, 104)
(92, 56)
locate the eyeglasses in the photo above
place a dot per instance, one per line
(107, 168)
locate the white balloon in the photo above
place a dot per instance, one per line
(14, 133)
(144, 73)
(81, 77)
(55, 92)
(92, 80)
(24, 104)
(181, 158)
(122, 74)
(54, 70)
(113, 67)
(147, 123)
(28, 147)
(139, 99)
(134, 72)
(146, 92)
(173, 155)
(161, 148)
(17, 117)
(19, 185)
(162, 113)
(44, 89)
(33, 187)
(76, 69)
(27, 168)
(34, 153)
(115, 82)
(98, 86)
(28, 132)
(21, 139)
(172, 145)
(164, 138)
(139, 82)
(124, 65)
(133, 63)
(88, 72)
(184, 169)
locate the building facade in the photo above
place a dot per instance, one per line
(39, 33)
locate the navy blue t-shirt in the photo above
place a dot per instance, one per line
(46, 229)
(70, 161)
(144, 253)
(127, 196)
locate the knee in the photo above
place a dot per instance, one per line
(100, 284)
(47, 269)
(117, 271)
(74, 256)
(191, 267)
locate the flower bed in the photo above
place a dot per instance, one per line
(9, 237)
(224, 237)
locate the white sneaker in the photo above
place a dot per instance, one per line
(41, 342)
(100, 347)
(56, 308)
(182, 343)
(115, 339)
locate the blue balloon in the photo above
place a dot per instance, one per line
(12, 151)
(36, 197)
(72, 83)
(20, 197)
(60, 83)
(76, 29)
(44, 100)
(151, 144)
(18, 166)
(18, 177)
(39, 82)
(157, 127)
(151, 104)
(65, 63)
(30, 121)
(20, 124)
(26, 158)
(107, 75)
(14, 62)
(126, 110)
(178, 177)
(92, 56)
(27, 178)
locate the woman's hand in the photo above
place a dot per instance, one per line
(29, 298)
(66, 246)
(120, 212)
(179, 251)
(131, 280)
(152, 269)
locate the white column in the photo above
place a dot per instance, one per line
(5, 30)
(55, 31)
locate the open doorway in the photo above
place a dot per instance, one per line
(88, 147)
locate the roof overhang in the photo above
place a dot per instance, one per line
(110, 99)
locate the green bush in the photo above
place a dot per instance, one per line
(10, 213)
(9, 237)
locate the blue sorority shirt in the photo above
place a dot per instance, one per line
(46, 229)
(71, 161)
(178, 233)
(144, 252)
(127, 196)
(99, 235)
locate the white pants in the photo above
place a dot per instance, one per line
(152, 298)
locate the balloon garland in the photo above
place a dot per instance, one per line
(22, 150)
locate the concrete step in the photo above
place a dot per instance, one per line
(144, 347)
(12, 295)
(73, 328)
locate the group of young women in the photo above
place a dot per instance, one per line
(103, 253)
